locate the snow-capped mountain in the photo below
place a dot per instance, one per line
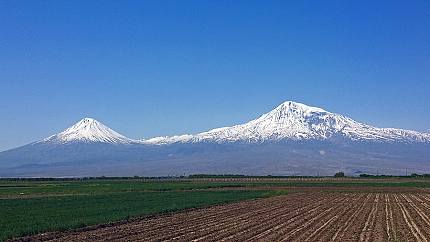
(296, 121)
(89, 130)
(289, 121)
(292, 139)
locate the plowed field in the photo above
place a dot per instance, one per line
(308, 216)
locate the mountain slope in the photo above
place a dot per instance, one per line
(296, 121)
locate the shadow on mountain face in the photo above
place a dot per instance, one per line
(278, 158)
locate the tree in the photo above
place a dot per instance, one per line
(339, 174)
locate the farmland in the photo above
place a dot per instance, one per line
(302, 209)
(296, 217)
(33, 207)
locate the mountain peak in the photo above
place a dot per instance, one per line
(290, 116)
(295, 106)
(86, 123)
(87, 120)
(88, 130)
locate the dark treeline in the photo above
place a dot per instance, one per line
(90, 178)
(413, 175)
(245, 176)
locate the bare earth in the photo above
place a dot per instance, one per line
(307, 216)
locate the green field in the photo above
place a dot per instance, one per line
(31, 189)
(95, 187)
(29, 207)
(33, 207)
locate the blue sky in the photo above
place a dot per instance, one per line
(149, 68)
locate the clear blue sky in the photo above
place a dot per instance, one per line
(149, 68)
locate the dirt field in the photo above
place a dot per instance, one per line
(308, 216)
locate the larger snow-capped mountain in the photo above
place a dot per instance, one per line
(296, 121)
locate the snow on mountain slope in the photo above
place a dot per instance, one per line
(289, 121)
(167, 139)
(89, 130)
(296, 121)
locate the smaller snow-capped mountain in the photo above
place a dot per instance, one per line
(90, 131)
(296, 121)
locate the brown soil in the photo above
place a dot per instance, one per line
(300, 216)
